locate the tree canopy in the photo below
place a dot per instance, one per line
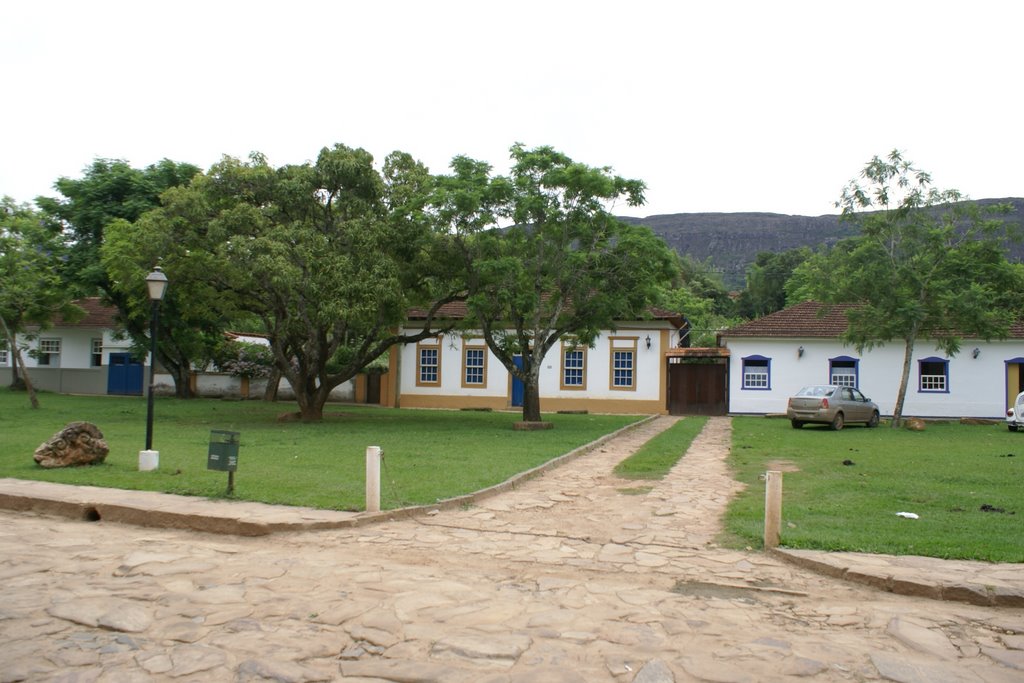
(110, 189)
(328, 255)
(766, 281)
(927, 265)
(32, 288)
(543, 256)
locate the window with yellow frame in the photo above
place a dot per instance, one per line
(428, 363)
(574, 366)
(474, 364)
(622, 363)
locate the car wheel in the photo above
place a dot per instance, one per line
(797, 424)
(873, 422)
(837, 422)
(1012, 428)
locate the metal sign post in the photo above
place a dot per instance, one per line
(223, 454)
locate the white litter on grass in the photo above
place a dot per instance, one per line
(908, 515)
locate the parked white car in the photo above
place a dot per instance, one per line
(1015, 415)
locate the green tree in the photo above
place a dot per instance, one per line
(329, 256)
(564, 267)
(109, 193)
(192, 315)
(699, 294)
(766, 282)
(109, 189)
(32, 292)
(928, 265)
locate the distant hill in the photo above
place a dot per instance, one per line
(731, 241)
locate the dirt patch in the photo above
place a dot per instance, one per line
(782, 466)
(636, 490)
(701, 589)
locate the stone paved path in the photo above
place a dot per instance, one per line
(572, 576)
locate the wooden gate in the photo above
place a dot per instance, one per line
(697, 387)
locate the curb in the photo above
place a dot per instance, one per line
(902, 583)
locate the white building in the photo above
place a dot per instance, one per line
(772, 357)
(85, 357)
(624, 372)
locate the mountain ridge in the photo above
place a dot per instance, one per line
(729, 242)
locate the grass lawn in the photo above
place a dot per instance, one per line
(945, 474)
(656, 457)
(428, 455)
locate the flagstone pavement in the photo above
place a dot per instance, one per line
(568, 575)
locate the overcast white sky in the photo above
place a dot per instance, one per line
(717, 106)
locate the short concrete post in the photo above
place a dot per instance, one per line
(373, 478)
(149, 460)
(772, 508)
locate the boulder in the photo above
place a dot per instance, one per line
(914, 424)
(79, 443)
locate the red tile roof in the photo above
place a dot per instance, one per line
(810, 320)
(457, 310)
(802, 320)
(97, 314)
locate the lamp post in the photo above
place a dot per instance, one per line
(156, 282)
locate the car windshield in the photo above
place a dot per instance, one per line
(816, 391)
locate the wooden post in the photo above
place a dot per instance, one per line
(373, 478)
(772, 508)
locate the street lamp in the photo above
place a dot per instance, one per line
(156, 282)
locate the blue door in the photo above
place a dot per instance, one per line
(124, 375)
(517, 384)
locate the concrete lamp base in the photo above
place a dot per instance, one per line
(149, 460)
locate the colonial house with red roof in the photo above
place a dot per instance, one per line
(772, 357)
(626, 371)
(84, 357)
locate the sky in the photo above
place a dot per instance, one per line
(716, 106)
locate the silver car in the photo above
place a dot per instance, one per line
(1015, 415)
(831, 405)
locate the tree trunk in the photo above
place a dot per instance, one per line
(901, 395)
(33, 399)
(311, 399)
(12, 343)
(270, 393)
(182, 381)
(311, 405)
(531, 399)
(181, 375)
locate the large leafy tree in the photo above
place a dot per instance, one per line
(109, 195)
(192, 314)
(328, 255)
(927, 265)
(562, 265)
(32, 292)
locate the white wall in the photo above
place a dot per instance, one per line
(597, 370)
(75, 347)
(977, 386)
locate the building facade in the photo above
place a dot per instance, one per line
(772, 357)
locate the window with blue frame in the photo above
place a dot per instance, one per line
(843, 371)
(933, 375)
(757, 372)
